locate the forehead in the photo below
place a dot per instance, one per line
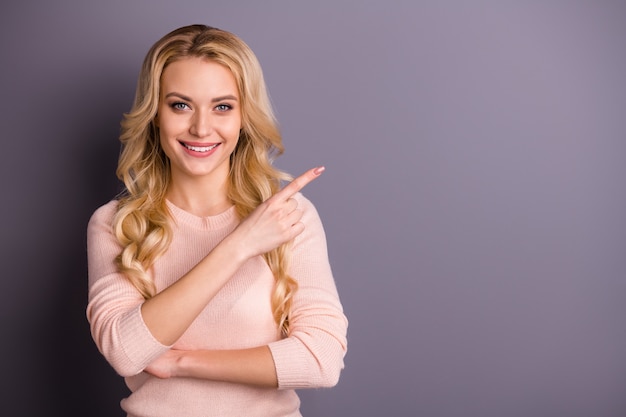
(198, 76)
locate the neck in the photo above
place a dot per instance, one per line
(200, 196)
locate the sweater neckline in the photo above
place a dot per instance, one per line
(217, 221)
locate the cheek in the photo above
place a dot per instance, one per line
(167, 138)
(236, 131)
(165, 145)
(168, 125)
(235, 127)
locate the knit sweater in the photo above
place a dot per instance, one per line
(239, 316)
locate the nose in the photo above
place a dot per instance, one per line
(201, 124)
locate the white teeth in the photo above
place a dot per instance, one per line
(200, 148)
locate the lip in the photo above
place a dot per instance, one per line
(199, 154)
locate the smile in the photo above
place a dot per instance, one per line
(199, 148)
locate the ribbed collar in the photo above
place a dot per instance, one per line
(224, 219)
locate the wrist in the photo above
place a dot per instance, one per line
(183, 365)
(180, 365)
(194, 364)
(234, 249)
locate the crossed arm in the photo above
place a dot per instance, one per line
(169, 313)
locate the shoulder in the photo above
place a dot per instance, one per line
(310, 217)
(306, 205)
(103, 215)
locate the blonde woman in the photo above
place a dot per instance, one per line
(210, 288)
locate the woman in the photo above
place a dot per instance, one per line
(210, 289)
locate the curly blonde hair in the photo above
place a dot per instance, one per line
(142, 222)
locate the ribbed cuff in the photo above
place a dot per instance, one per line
(139, 345)
(286, 353)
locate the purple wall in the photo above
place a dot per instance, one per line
(474, 197)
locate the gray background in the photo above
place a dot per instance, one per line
(474, 197)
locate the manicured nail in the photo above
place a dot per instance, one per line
(319, 170)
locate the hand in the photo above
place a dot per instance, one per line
(276, 220)
(166, 365)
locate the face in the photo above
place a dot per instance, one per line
(199, 119)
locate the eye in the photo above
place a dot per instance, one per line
(223, 107)
(179, 106)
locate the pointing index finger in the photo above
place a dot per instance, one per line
(299, 183)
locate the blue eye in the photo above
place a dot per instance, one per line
(179, 106)
(223, 107)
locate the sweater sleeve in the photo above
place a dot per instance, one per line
(114, 304)
(312, 354)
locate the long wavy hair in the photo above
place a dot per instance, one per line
(142, 221)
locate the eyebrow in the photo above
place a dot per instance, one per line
(213, 100)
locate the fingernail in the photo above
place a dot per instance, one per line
(319, 170)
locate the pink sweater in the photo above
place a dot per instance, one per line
(238, 317)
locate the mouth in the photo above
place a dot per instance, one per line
(201, 149)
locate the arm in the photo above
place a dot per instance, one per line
(312, 356)
(253, 366)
